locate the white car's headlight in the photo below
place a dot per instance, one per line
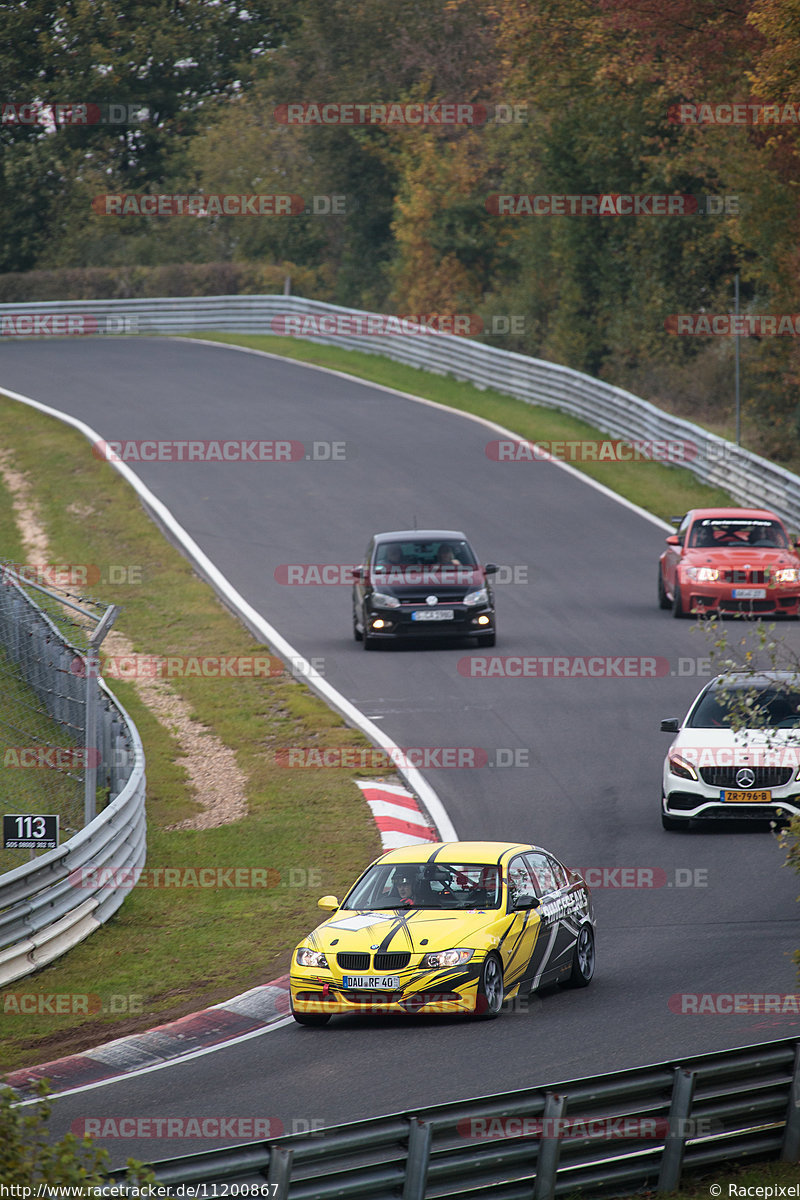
(306, 957)
(447, 958)
(479, 597)
(384, 600)
(681, 767)
(702, 574)
(787, 575)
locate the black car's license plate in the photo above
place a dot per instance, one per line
(433, 614)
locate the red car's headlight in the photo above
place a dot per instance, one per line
(702, 574)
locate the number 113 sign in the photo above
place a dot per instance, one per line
(30, 831)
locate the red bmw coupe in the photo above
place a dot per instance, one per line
(730, 560)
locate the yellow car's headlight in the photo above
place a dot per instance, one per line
(306, 957)
(447, 958)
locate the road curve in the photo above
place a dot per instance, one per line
(722, 914)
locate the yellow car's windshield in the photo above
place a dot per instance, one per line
(427, 885)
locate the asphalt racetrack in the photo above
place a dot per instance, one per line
(708, 912)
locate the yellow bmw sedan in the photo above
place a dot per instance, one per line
(446, 927)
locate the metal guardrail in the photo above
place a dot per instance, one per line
(751, 480)
(51, 903)
(611, 1134)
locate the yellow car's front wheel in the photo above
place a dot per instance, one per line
(310, 1018)
(491, 991)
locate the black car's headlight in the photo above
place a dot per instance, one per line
(447, 958)
(384, 600)
(479, 597)
(306, 957)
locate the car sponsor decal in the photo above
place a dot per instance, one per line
(548, 950)
(561, 906)
(360, 920)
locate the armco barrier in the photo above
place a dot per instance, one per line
(606, 1135)
(44, 907)
(749, 478)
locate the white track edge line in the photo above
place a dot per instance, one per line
(266, 631)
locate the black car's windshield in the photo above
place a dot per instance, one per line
(748, 704)
(451, 552)
(727, 533)
(427, 885)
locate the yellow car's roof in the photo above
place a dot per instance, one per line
(458, 852)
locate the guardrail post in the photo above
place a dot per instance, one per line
(549, 1147)
(669, 1176)
(419, 1153)
(790, 1150)
(280, 1171)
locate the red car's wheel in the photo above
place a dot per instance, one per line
(677, 603)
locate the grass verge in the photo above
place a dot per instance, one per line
(170, 951)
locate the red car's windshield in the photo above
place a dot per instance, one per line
(731, 532)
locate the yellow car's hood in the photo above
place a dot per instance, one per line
(421, 930)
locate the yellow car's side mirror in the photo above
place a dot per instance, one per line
(329, 903)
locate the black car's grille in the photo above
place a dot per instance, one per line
(421, 597)
(742, 575)
(356, 961)
(392, 962)
(765, 777)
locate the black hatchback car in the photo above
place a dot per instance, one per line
(417, 583)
